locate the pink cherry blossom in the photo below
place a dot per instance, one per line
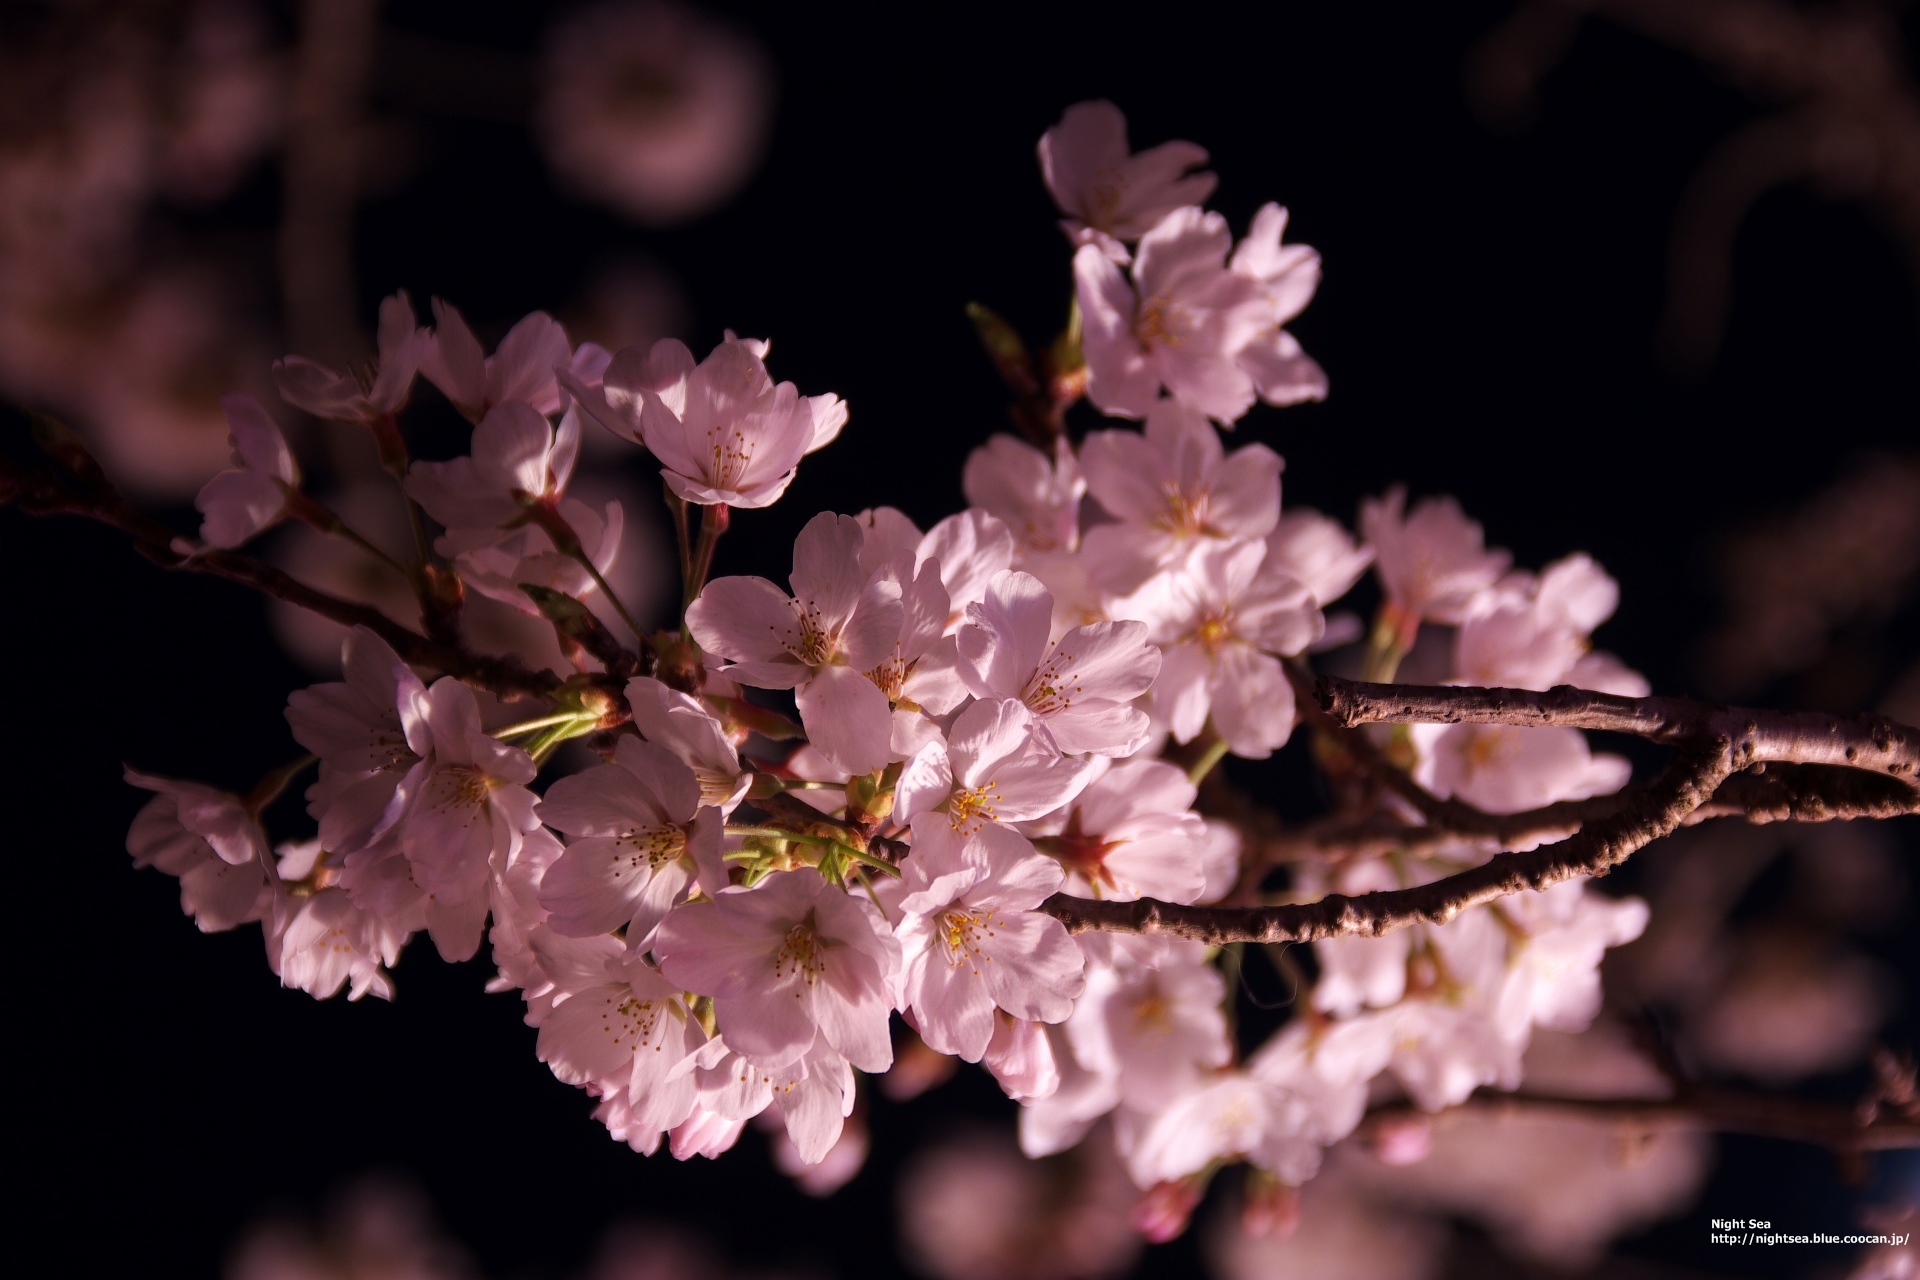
(1079, 689)
(1172, 488)
(466, 809)
(684, 727)
(354, 727)
(1318, 552)
(1108, 193)
(521, 369)
(1218, 619)
(1508, 769)
(641, 844)
(1131, 834)
(788, 961)
(1180, 322)
(208, 841)
(320, 941)
(518, 458)
(628, 1035)
(819, 642)
(992, 769)
(1553, 968)
(971, 941)
(1036, 497)
(971, 548)
(239, 503)
(1432, 562)
(723, 431)
(1155, 1030)
(344, 397)
(1283, 373)
(1020, 1056)
(920, 675)
(1230, 1116)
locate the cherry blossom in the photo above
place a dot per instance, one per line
(354, 727)
(641, 843)
(1036, 497)
(1282, 372)
(1432, 561)
(239, 503)
(684, 727)
(344, 397)
(1218, 621)
(791, 960)
(521, 369)
(208, 841)
(466, 810)
(1172, 488)
(1317, 552)
(1180, 322)
(992, 769)
(626, 1034)
(818, 642)
(723, 431)
(319, 940)
(1131, 834)
(1079, 689)
(1109, 194)
(971, 941)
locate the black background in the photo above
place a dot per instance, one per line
(1487, 321)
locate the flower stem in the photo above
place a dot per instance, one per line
(1216, 752)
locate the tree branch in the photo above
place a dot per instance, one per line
(38, 492)
(1868, 742)
(1693, 775)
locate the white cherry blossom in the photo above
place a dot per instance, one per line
(1131, 834)
(208, 841)
(1282, 372)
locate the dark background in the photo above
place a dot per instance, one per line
(1487, 320)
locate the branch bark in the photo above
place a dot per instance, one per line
(1841, 767)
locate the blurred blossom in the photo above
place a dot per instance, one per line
(103, 117)
(378, 1230)
(1766, 987)
(822, 1178)
(1793, 1005)
(1341, 1234)
(1892, 1261)
(653, 108)
(1551, 1188)
(1850, 554)
(974, 1208)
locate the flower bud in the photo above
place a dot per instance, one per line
(1164, 1211)
(1270, 1208)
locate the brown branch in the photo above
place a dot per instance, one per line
(39, 492)
(1866, 742)
(1838, 1128)
(1695, 772)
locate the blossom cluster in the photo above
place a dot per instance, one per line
(718, 917)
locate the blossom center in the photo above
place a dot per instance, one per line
(813, 642)
(970, 808)
(1214, 631)
(461, 788)
(1053, 686)
(655, 846)
(800, 954)
(1158, 320)
(965, 933)
(732, 455)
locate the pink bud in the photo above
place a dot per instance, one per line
(1162, 1213)
(1400, 1140)
(1270, 1209)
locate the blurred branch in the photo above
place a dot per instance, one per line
(1850, 123)
(41, 492)
(326, 137)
